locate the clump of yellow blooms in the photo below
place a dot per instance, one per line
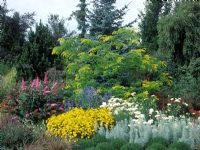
(79, 123)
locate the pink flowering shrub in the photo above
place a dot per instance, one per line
(36, 100)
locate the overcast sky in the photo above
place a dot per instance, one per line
(64, 8)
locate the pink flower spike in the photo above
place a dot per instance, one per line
(33, 83)
(37, 83)
(45, 90)
(45, 78)
(23, 86)
(54, 85)
(53, 105)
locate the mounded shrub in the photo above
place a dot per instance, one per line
(156, 146)
(131, 146)
(117, 143)
(159, 140)
(105, 146)
(179, 146)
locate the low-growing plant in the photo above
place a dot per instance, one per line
(49, 143)
(105, 145)
(159, 140)
(7, 82)
(170, 128)
(156, 146)
(14, 134)
(79, 123)
(179, 146)
(117, 143)
(36, 100)
(131, 146)
(91, 148)
(83, 144)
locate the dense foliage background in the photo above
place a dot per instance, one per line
(119, 83)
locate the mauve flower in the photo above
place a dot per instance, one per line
(61, 108)
(37, 83)
(45, 78)
(33, 83)
(53, 105)
(46, 90)
(23, 86)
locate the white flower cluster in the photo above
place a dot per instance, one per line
(118, 105)
(177, 100)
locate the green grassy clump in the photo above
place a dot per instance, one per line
(179, 146)
(131, 146)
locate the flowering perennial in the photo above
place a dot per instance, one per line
(79, 123)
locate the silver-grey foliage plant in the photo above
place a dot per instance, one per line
(173, 130)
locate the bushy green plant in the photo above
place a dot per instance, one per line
(105, 145)
(7, 82)
(131, 146)
(156, 146)
(89, 143)
(179, 146)
(109, 65)
(187, 87)
(91, 148)
(159, 140)
(14, 134)
(4, 68)
(83, 144)
(117, 143)
(36, 100)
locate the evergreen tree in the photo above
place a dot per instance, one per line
(105, 17)
(148, 24)
(36, 57)
(81, 17)
(13, 29)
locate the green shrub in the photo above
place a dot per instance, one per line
(82, 144)
(7, 82)
(4, 68)
(186, 86)
(105, 146)
(91, 148)
(87, 143)
(179, 146)
(158, 140)
(14, 134)
(97, 138)
(156, 146)
(117, 143)
(131, 146)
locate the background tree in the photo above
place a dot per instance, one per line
(36, 57)
(57, 27)
(105, 17)
(81, 17)
(179, 43)
(179, 34)
(148, 24)
(13, 32)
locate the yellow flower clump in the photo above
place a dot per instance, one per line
(79, 123)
